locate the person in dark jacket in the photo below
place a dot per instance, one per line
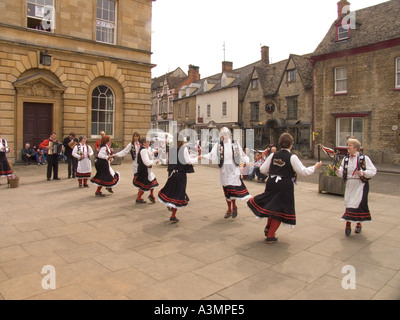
(69, 143)
(28, 155)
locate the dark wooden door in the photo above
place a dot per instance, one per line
(38, 122)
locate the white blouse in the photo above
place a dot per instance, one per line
(229, 172)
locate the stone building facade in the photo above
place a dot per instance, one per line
(356, 71)
(98, 78)
(279, 99)
(164, 90)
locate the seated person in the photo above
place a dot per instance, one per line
(28, 154)
(41, 155)
(260, 158)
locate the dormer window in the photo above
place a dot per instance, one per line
(343, 30)
(291, 75)
(223, 80)
(205, 86)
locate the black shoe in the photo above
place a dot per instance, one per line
(227, 214)
(85, 186)
(358, 228)
(347, 231)
(234, 212)
(80, 186)
(152, 199)
(110, 190)
(140, 201)
(173, 219)
(266, 230)
(48, 179)
(271, 240)
(99, 194)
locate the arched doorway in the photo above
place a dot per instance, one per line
(39, 106)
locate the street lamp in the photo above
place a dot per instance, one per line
(45, 58)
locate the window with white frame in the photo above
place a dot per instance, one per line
(106, 21)
(224, 109)
(40, 15)
(349, 127)
(398, 73)
(187, 109)
(341, 80)
(343, 33)
(171, 104)
(103, 106)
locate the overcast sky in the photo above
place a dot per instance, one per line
(194, 32)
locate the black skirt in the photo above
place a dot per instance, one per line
(277, 201)
(103, 177)
(361, 213)
(5, 169)
(142, 182)
(173, 194)
(236, 192)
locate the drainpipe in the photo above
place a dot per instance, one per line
(312, 109)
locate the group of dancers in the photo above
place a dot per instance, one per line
(276, 203)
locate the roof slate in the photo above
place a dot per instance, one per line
(373, 25)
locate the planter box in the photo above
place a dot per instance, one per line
(117, 160)
(331, 184)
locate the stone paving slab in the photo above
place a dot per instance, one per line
(111, 248)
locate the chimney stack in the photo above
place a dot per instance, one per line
(265, 54)
(227, 66)
(193, 73)
(340, 6)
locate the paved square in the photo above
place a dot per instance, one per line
(112, 248)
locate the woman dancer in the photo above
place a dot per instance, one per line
(230, 155)
(277, 201)
(356, 170)
(105, 175)
(83, 152)
(5, 169)
(173, 194)
(133, 149)
(145, 179)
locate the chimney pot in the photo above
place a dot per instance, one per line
(341, 5)
(265, 54)
(227, 66)
(193, 73)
